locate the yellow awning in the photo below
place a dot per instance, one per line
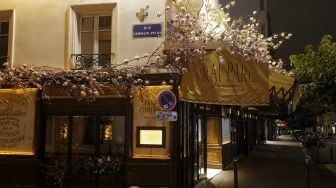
(235, 82)
(280, 84)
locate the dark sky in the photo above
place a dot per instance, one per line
(308, 20)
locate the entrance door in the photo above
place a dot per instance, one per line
(214, 146)
(84, 151)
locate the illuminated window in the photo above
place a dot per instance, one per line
(151, 137)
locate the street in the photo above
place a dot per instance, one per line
(276, 164)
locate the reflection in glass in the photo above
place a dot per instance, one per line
(57, 134)
(90, 134)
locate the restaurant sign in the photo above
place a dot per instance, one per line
(232, 82)
(17, 121)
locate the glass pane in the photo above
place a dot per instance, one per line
(83, 134)
(104, 42)
(104, 47)
(4, 41)
(226, 131)
(3, 51)
(104, 35)
(87, 24)
(57, 134)
(4, 28)
(105, 22)
(87, 42)
(112, 134)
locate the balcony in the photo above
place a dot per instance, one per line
(91, 61)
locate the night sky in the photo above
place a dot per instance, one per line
(308, 20)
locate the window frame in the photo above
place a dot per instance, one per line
(74, 39)
(4, 35)
(8, 16)
(95, 31)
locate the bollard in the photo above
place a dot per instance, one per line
(307, 171)
(235, 173)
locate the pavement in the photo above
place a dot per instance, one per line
(276, 164)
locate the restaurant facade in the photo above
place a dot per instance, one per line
(167, 132)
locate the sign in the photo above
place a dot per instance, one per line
(145, 106)
(166, 116)
(147, 30)
(17, 121)
(167, 100)
(235, 82)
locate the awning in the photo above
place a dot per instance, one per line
(235, 82)
(281, 86)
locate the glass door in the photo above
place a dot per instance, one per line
(84, 151)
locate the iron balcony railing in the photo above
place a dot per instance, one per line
(89, 61)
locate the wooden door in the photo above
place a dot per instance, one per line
(214, 149)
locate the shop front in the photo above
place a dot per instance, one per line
(19, 136)
(170, 133)
(223, 98)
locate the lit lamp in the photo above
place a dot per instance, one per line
(108, 132)
(64, 131)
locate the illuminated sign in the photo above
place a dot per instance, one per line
(17, 121)
(151, 137)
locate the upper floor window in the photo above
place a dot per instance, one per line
(96, 35)
(92, 36)
(6, 37)
(4, 32)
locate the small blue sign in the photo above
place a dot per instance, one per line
(166, 100)
(147, 30)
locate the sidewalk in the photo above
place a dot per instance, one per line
(276, 164)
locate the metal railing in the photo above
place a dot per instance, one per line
(89, 61)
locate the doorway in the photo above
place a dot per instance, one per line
(214, 146)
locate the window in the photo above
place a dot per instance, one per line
(4, 41)
(95, 37)
(91, 36)
(89, 134)
(6, 31)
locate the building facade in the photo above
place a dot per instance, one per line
(151, 135)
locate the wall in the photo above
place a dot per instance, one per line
(41, 29)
